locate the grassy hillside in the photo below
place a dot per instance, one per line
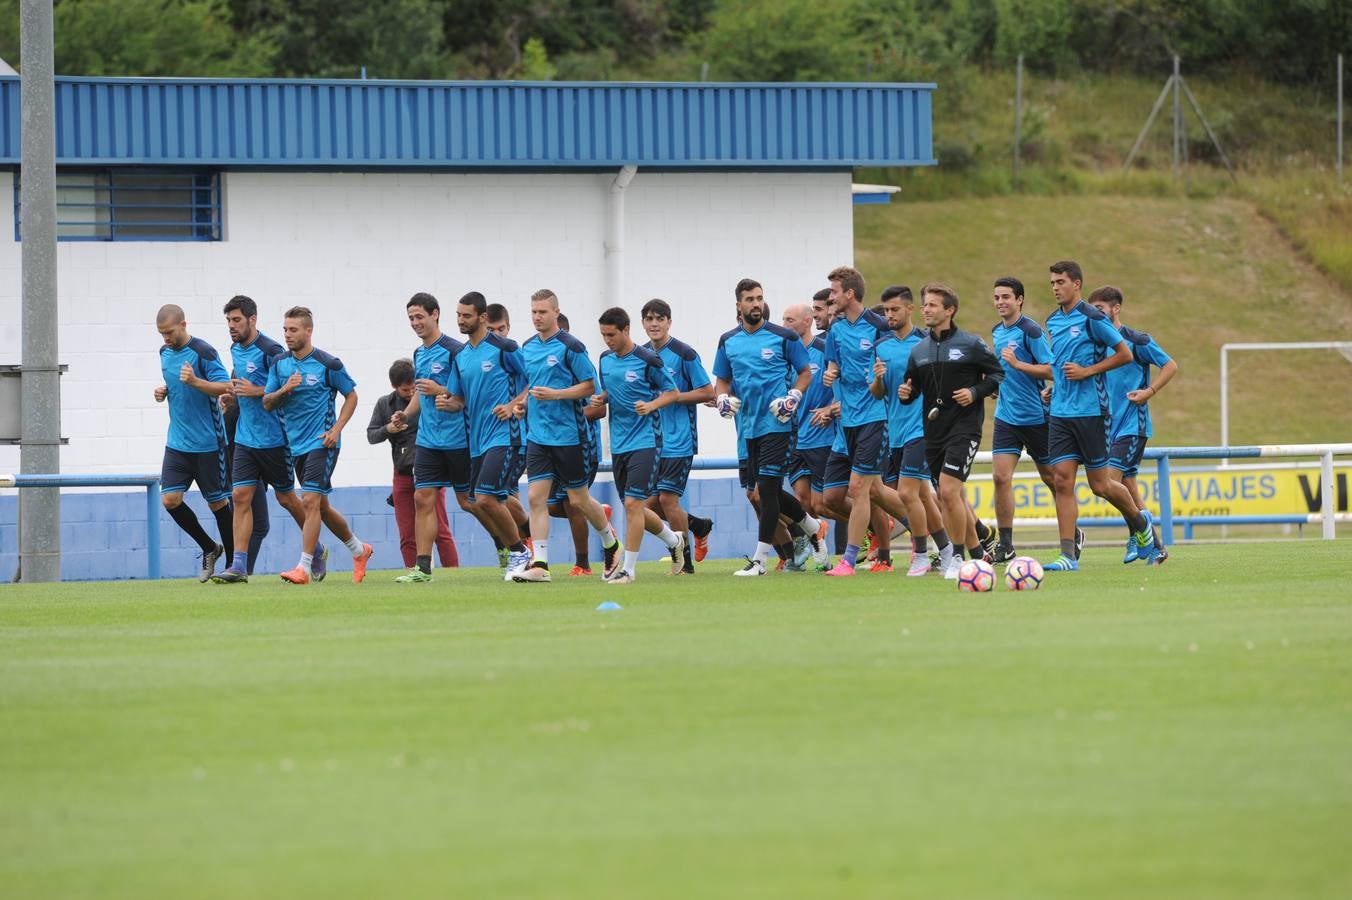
(1195, 273)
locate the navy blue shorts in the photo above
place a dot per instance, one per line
(560, 492)
(837, 473)
(436, 468)
(1081, 438)
(745, 476)
(1014, 439)
(314, 470)
(1126, 454)
(518, 469)
(867, 447)
(770, 455)
(811, 464)
(635, 473)
(263, 466)
(563, 465)
(907, 461)
(952, 456)
(181, 468)
(673, 474)
(494, 472)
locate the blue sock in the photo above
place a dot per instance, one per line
(851, 553)
(240, 560)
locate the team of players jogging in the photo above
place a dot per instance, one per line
(866, 416)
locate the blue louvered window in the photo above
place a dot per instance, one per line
(133, 205)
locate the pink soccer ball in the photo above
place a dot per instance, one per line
(976, 576)
(1023, 574)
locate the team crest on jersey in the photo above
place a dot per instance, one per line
(767, 353)
(814, 367)
(865, 344)
(436, 368)
(671, 371)
(954, 354)
(1075, 331)
(311, 379)
(631, 375)
(250, 367)
(486, 366)
(551, 360)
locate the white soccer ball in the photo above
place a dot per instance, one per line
(1023, 574)
(976, 576)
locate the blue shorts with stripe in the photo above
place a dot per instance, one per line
(437, 468)
(560, 492)
(673, 474)
(566, 465)
(635, 473)
(495, 472)
(770, 455)
(907, 461)
(811, 463)
(1126, 454)
(867, 447)
(1079, 438)
(181, 468)
(266, 466)
(314, 470)
(1014, 439)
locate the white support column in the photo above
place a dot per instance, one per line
(1326, 492)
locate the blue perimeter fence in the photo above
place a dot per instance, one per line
(106, 520)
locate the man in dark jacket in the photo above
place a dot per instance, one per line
(955, 371)
(401, 436)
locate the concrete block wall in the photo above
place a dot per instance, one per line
(103, 535)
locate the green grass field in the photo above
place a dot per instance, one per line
(1124, 732)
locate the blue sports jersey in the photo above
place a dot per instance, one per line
(1084, 336)
(816, 396)
(680, 435)
(558, 362)
(307, 412)
(439, 430)
(905, 421)
(257, 427)
(838, 443)
(1020, 400)
(760, 365)
(853, 347)
(487, 376)
(195, 421)
(638, 375)
(1133, 418)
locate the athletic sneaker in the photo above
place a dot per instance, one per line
(1063, 563)
(954, 566)
(1133, 550)
(791, 566)
(945, 560)
(920, 565)
(989, 543)
(1079, 541)
(701, 547)
(296, 576)
(359, 563)
(621, 577)
(1003, 554)
(504, 557)
(753, 568)
(414, 575)
(779, 566)
(1163, 557)
(320, 566)
(802, 552)
(535, 573)
(880, 566)
(209, 559)
(936, 562)
(866, 546)
(230, 575)
(613, 556)
(677, 555)
(516, 562)
(820, 556)
(579, 572)
(842, 570)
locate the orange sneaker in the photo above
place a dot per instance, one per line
(605, 508)
(779, 566)
(359, 563)
(701, 548)
(578, 571)
(880, 566)
(296, 576)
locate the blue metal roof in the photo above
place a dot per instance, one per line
(477, 125)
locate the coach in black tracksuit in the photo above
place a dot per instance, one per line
(955, 371)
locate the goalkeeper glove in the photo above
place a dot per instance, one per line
(784, 407)
(727, 405)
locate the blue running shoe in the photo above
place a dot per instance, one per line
(1152, 555)
(320, 566)
(1063, 563)
(1133, 550)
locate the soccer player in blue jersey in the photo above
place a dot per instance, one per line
(1020, 419)
(1130, 391)
(907, 470)
(850, 353)
(441, 448)
(680, 434)
(816, 422)
(194, 450)
(635, 386)
(261, 457)
(755, 365)
(1084, 346)
(486, 376)
(302, 385)
(560, 380)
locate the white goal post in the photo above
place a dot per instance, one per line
(1344, 347)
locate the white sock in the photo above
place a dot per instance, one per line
(307, 560)
(608, 537)
(763, 552)
(631, 562)
(354, 546)
(667, 536)
(542, 552)
(809, 525)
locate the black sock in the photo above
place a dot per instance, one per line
(884, 553)
(424, 564)
(1007, 538)
(976, 552)
(225, 524)
(940, 538)
(784, 551)
(519, 547)
(840, 537)
(769, 507)
(700, 528)
(1068, 549)
(497, 544)
(958, 552)
(187, 520)
(581, 560)
(920, 544)
(523, 528)
(982, 530)
(689, 555)
(1139, 523)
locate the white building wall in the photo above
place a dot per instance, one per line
(353, 247)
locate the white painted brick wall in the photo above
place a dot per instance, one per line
(354, 247)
